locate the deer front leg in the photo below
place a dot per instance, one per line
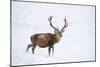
(49, 50)
(53, 50)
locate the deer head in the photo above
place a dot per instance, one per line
(58, 33)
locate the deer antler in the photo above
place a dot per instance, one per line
(50, 20)
(65, 25)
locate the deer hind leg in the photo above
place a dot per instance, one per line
(33, 48)
(30, 45)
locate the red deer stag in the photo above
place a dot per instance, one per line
(47, 39)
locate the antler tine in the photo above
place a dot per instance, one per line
(65, 25)
(50, 20)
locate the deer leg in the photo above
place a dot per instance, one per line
(52, 50)
(30, 45)
(49, 49)
(33, 48)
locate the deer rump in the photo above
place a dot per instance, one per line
(42, 40)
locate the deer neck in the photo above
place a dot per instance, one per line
(57, 37)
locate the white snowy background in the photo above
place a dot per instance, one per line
(77, 43)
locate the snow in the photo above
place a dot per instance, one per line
(77, 43)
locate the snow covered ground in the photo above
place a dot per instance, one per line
(77, 43)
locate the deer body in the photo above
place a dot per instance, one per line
(44, 40)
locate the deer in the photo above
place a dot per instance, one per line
(44, 40)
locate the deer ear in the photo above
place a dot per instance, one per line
(55, 30)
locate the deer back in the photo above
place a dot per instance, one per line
(43, 40)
